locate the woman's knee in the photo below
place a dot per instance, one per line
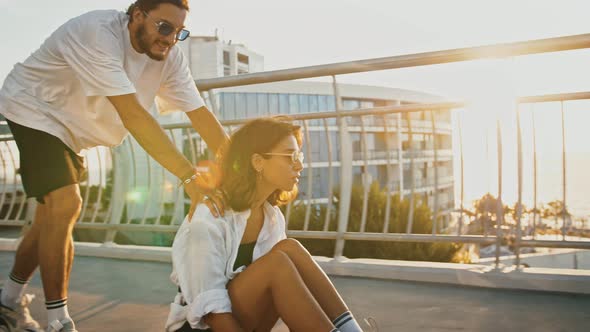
(290, 247)
(64, 204)
(266, 271)
(279, 258)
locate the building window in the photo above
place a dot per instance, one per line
(284, 103)
(293, 104)
(226, 58)
(303, 104)
(241, 105)
(243, 64)
(252, 105)
(228, 105)
(262, 103)
(243, 59)
(367, 104)
(273, 104)
(226, 64)
(349, 104)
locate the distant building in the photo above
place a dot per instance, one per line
(210, 57)
(382, 144)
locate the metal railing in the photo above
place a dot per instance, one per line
(128, 192)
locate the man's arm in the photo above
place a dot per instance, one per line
(207, 125)
(150, 135)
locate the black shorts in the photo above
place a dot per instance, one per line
(46, 163)
(187, 328)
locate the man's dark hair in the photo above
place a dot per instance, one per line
(148, 5)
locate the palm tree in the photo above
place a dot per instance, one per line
(557, 209)
(483, 209)
(534, 211)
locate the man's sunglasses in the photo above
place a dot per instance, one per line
(165, 29)
(296, 156)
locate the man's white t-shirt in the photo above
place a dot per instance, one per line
(61, 88)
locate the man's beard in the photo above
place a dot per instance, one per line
(145, 45)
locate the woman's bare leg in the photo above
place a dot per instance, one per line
(269, 320)
(314, 277)
(273, 279)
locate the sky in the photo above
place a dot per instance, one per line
(300, 33)
(310, 32)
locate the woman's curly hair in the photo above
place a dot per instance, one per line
(238, 177)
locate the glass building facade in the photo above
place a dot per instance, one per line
(380, 145)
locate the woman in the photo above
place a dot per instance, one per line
(240, 272)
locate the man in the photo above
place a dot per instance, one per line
(90, 84)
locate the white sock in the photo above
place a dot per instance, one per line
(57, 310)
(347, 323)
(12, 291)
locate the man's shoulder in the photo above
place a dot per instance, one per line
(175, 59)
(101, 15)
(92, 21)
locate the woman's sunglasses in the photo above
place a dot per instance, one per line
(296, 156)
(165, 29)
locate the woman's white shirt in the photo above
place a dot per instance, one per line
(203, 255)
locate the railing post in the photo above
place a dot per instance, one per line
(519, 203)
(462, 174)
(400, 152)
(121, 176)
(345, 175)
(534, 173)
(410, 222)
(435, 162)
(499, 205)
(563, 173)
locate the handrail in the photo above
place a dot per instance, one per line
(123, 205)
(546, 45)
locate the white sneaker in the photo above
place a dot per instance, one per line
(19, 319)
(65, 325)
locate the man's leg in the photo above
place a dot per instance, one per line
(47, 163)
(27, 260)
(13, 292)
(55, 247)
(25, 263)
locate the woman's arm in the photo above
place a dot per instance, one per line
(223, 322)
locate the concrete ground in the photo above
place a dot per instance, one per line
(117, 295)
